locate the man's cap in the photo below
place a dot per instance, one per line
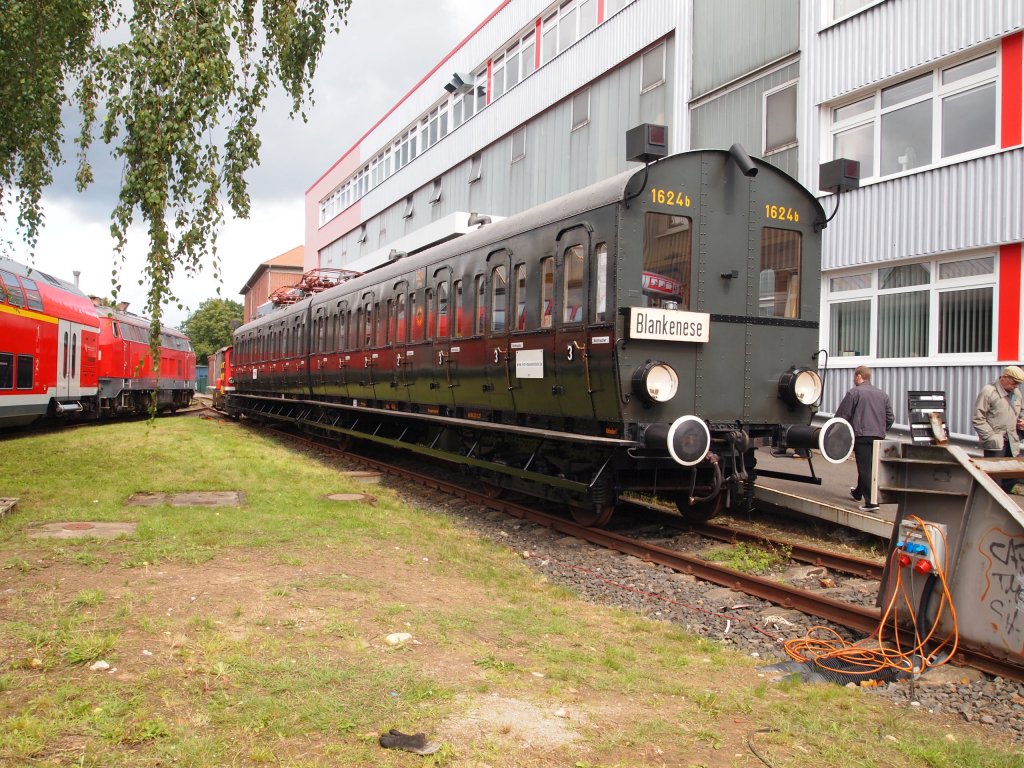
(1014, 372)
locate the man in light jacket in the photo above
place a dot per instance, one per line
(997, 416)
(869, 412)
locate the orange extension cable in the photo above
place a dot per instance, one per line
(822, 643)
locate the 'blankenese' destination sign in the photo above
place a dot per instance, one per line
(669, 325)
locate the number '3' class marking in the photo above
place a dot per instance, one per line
(440, 357)
(496, 356)
(568, 349)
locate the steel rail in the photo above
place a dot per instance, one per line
(866, 620)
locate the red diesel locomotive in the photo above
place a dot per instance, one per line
(61, 356)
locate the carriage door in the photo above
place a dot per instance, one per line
(571, 306)
(443, 373)
(318, 350)
(69, 359)
(500, 362)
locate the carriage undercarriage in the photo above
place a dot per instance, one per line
(586, 473)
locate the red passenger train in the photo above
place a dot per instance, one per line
(61, 356)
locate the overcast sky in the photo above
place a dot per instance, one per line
(386, 48)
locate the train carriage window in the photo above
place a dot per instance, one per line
(499, 297)
(368, 324)
(780, 273)
(388, 322)
(601, 286)
(74, 353)
(25, 371)
(416, 316)
(460, 330)
(478, 309)
(667, 260)
(519, 298)
(573, 284)
(321, 345)
(32, 296)
(400, 324)
(547, 290)
(115, 329)
(11, 289)
(64, 368)
(431, 310)
(6, 370)
(442, 311)
(382, 324)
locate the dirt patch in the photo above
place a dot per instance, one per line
(78, 530)
(189, 499)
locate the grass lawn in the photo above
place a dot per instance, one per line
(258, 635)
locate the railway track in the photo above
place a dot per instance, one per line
(857, 618)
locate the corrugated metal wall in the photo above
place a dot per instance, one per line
(901, 35)
(732, 38)
(556, 161)
(972, 204)
(737, 115)
(960, 383)
(880, 43)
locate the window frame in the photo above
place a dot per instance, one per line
(576, 122)
(935, 287)
(874, 114)
(519, 133)
(765, 149)
(648, 55)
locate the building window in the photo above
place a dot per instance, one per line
(915, 310)
(947, 112)
(435, 192)
(407, 213)
(362, 234)
(580, 109)
(614, 6)
(780, 118)
(652, 68)
(838, 9)
(518, 145)
(476, 166)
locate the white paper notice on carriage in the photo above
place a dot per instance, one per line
(669, 325)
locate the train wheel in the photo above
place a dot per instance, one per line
(702, 511)
(596, 516)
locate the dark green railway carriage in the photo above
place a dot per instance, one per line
(646, 333)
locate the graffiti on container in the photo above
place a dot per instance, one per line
(1004, 585)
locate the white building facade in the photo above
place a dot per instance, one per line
(922, 264)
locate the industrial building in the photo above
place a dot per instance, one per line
(922, 263)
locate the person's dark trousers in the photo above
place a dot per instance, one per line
(863, 448)
(995, 453)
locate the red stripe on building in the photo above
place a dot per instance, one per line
(490, 79)
(600, 11)
(1009, 301)
(1013, 88)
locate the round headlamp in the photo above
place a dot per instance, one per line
(800, 386)
(655, 382)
